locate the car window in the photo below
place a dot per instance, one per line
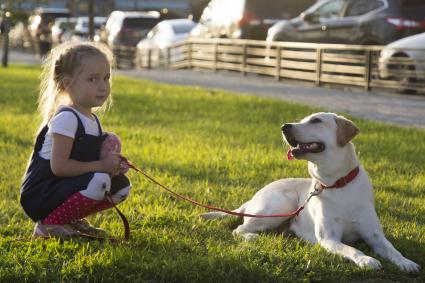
(47, 18)
(361, 7)
(407, 3)
(182, 28)
(136, 23)
(277, 8)
(330, 10)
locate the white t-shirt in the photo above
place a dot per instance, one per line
(65, 123)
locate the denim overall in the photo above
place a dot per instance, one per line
(42, 191)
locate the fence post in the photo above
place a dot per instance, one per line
(368, 69)
(278, 62)
(244, 61)
(168, 57)
(215, 56)
(149, 59)
(189, 55)
(318, 65)
(5, 34)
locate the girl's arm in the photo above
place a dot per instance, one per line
(63, 166)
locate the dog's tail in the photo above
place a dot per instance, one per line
(219, 214)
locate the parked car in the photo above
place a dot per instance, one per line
(19, 36)
(128, 28)
(404, 61)
(164, 35)
(245, 19)
(366, 22)
(81, 29)
(40, 23)
(61, 29)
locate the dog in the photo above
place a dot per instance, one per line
(341, 205)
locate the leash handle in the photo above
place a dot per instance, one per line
(291, 214)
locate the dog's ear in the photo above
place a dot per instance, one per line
(346, 130)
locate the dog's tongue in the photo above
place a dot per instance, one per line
(290, 155)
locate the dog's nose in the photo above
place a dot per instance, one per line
(286, 128)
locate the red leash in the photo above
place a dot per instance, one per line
(291, 214)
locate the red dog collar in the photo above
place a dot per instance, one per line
(341, 182)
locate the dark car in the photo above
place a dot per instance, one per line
(40, 25)
(245, 19)
(365, 22)
(128, 28)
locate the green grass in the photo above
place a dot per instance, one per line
(215, 147)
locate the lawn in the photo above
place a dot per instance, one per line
(215, 147)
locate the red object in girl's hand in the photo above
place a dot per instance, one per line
(112, 143)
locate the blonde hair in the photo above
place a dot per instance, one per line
(65, 61)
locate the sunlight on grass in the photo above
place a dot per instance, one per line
(217, 148)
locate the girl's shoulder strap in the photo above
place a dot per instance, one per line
(40, 139)
(80, 127)
(98, 124)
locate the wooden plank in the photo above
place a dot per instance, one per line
(257, 61)
(229, 66)
(358, 70)
(307, 55)
(229, 58)
(179, 65)
(397, 85)
(257, 51)
(344, 58)
(203, 48)
(291, 74)
(202, 64)
(229, 49)
(310, 66)
(203, 56)
(338, 79)
(261, 70)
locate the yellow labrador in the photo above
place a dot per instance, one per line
(343, 211)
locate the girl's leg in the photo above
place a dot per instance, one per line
(81, 203)
(117, 198)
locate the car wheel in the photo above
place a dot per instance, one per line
(403, 73)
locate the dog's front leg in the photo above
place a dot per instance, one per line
(384, 248)
(331, 241)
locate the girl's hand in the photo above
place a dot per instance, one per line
(111, 163)
(112, 143)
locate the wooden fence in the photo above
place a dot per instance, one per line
(351, 65)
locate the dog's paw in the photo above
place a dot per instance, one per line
(368, 262)
(407, 265)
(248, 237)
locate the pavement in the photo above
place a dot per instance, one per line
(403, 110)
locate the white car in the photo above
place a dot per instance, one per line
(81, 30)
(404, 60)
(162, 36)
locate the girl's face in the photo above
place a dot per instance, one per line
(90, 86)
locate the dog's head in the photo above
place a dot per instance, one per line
(317, 134)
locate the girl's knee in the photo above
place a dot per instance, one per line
(98, 186)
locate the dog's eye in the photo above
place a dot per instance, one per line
(315, 121)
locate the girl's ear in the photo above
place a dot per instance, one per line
(66, 83)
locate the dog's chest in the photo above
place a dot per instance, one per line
(332, 210)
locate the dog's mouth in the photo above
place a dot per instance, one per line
(298, 149)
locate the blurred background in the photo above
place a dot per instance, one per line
(370, 43)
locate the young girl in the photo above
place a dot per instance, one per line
(68, 177)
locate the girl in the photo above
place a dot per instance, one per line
(67, 177)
